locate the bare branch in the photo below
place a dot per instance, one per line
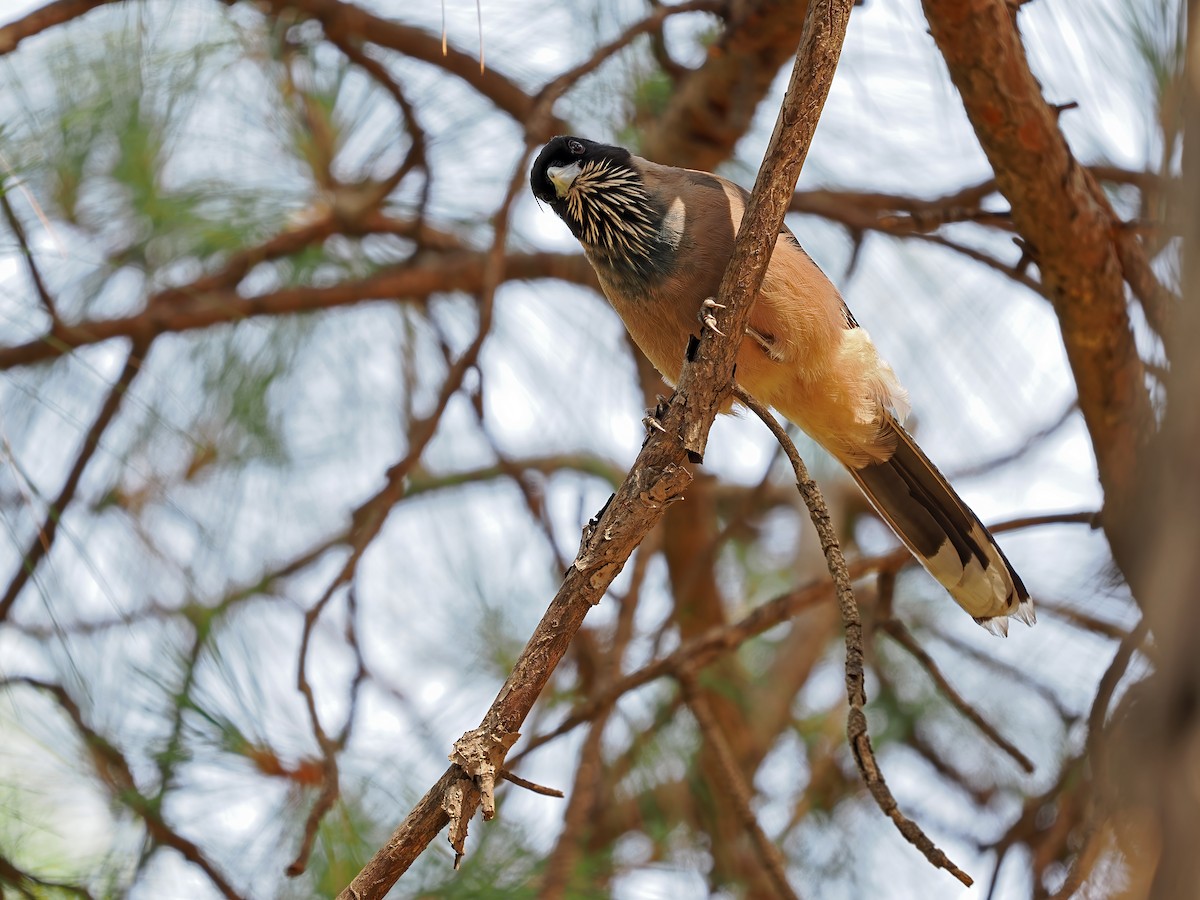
(856, 692)
(186, 309)
(35, 274)
(43, 541)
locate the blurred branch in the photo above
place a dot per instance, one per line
(1067, 223)
(347, 20)
(1107, 688)
(1158, 301)
(1010, 672)
(1096, 804)
(27, 884)
(417, 156)
(1046, 822)
(423, 482)
(735, 784)
(898, 632)
(42, 542)
(650, 24)
(35, 274)
(189, 308)
(1082, 619)
(987, 466)
(711, 107)
(114, 771)
(926, 749)
(1015, 272)
(901, 214)
(48, 16)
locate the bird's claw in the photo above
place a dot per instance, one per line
(653, 418)
(652, 423)
(707, 317)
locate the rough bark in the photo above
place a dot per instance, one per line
(1067, 224)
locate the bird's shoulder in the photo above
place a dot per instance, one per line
(717, 202)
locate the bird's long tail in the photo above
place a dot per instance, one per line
(944, 534)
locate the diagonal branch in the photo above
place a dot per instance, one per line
(35, 274)
(42, 542)
(735, 785)
(657, 479)
(898, 632)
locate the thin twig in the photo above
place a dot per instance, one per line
(856, 729)
(531, 785)
(35, 274)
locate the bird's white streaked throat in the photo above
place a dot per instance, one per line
(610, 207)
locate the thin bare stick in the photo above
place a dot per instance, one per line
(856, 728)
(531, 785)
(35, 274)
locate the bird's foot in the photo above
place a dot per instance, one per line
(706, 315)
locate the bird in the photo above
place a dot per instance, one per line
(659, 238)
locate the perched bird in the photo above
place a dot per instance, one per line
(660, 237)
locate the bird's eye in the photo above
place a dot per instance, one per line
(575, 147)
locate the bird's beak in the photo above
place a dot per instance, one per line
(562, 177)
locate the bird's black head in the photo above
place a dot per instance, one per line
(600, 194)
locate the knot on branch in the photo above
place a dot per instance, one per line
(480, 754)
